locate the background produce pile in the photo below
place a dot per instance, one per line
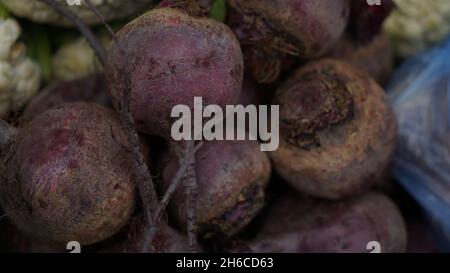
(79, 128)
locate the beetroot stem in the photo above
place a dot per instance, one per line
(191, 196)
(184, 164)
(82, 27)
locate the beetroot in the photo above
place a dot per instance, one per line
(166, 58)
(4, 243)
(232, 177)
(337, 129)
(420, 238)
(171, 58)
(90, 89)
(366, 21)
(375, 57)
(67, 176)
(364, 45)
(271, 30)
(10, 238)
(17, 242)
(198, 8)
(254, 94)
(295, 224)
(166, 240)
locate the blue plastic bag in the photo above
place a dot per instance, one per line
(420, 95)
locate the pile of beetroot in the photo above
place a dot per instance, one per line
(93, 160)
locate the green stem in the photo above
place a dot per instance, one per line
(4, 12)
(43, 51)
(219, 10)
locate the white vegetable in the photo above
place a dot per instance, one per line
(20, 77)
(75, 60)
(9, 33)
(417, 24)
(110, 9)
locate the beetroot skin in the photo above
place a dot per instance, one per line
(296, 225)
(173, 57)
(232, 177)
(375, 57)
(366, 21)
(68, 176)
(89, 89)
(270, 30)
(254, 94)
(166, 240)
(17, 242)
(337, 130)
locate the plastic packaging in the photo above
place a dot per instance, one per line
(420, 94)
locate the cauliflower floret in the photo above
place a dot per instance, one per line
(417, 24)
(19, 76)
(76, 60)
(110, 9)
(27, 79)
(9, 33)
(6, 79)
